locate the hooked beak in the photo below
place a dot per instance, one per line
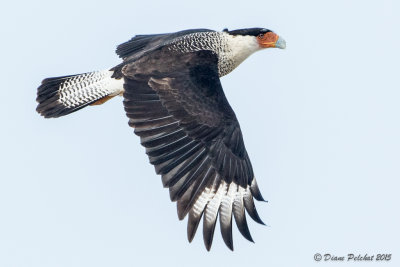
(271, 39)
(280, 43)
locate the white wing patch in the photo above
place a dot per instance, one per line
(225, 200)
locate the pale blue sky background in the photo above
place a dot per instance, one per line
(320, 121)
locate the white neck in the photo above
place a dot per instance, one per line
(242, 47)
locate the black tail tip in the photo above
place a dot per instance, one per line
(48, 98)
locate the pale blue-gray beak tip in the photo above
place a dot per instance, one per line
(280, 43)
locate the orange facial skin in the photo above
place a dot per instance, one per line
(268, 39)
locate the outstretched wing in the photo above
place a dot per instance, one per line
(177, 106)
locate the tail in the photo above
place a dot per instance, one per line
(60, 96)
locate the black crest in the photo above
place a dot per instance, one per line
(249, 31)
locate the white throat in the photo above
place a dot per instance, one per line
(241, 47)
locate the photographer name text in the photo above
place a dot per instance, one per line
(353, 257)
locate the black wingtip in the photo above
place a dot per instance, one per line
(257, 218)
(256, 191)
(240, 218)
(257, 195)
(193, 224)
(208, 242)
(251, 208)
(226, 231)
(247, 235)
(208, 229)
(228, 242)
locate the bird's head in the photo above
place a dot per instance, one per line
(265, 38)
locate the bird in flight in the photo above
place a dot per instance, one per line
(175, 102)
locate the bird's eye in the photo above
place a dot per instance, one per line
(261, 35)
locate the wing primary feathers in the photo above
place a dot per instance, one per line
(240, 216)
(193, 224)
(208, 230)
(211, 215)
(256, 191)
(197, 211)
(188, 199)
(250, 207)
(225, 216)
